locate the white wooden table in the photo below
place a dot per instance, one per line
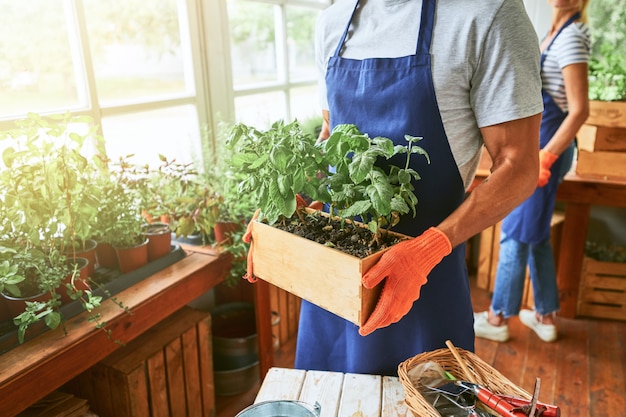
(339, 394)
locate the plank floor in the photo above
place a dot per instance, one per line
(583, 372)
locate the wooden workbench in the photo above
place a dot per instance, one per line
(338, 394)
(41, 365)
(579, 194)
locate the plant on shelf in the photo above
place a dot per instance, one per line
(607, 76)
(179, 192)
(48, 208)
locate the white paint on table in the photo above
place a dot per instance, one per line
(338, 394)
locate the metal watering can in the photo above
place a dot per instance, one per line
(281, 408)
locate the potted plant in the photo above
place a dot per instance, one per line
(181, 194)
(47, 207)
(284, 162)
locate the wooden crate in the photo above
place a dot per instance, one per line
(326, 277)
(602, 290)
(167, 371)
(602, 141)
(489, 251)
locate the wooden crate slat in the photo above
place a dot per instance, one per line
(593, 266)
(607, 113)
(602, 290)
(605, 282)
(205, 358)
(601, 138)
(158, 385)
(191, 367)
(603, 296)
(611, 165)
(602, 311)
(175, 379)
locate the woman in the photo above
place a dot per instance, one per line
(525, 236)
(397, 67)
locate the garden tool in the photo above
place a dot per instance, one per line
(451, 400)
(509, 406)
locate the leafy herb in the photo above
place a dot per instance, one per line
(359, 188)
(278, 163)
(284, 161)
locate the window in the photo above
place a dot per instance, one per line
(273, 59)
(154, 73)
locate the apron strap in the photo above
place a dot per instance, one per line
(571, 20)
(424, 39)
(426, 27)
(345, 31)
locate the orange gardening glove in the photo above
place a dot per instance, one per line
(301, 202)
(247, 237)
(546, 159)
(406, 267)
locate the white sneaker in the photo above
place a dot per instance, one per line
(546, 332)
(486, 330)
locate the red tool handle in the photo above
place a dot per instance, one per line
(548, 410)
(497, 403)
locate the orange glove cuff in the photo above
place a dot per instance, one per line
(546, 160)
(439, 247)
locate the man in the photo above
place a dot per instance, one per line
(461, 74)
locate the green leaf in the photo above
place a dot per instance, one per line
(358, 208)
(361, 166)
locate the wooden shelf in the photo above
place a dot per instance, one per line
(32, 370)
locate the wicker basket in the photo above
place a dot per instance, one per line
(481, 373)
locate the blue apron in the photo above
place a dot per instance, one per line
(392, 97)
(530, 221)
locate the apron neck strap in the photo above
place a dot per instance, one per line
(425, 33)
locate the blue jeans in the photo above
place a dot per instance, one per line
(511, 272)
(513, 258)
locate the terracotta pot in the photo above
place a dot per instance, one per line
(5, 314)
(17, 305)
(132, 258)
(159, 240)
(87, 251)
(222, 231)
(106, 256)
(80, 281)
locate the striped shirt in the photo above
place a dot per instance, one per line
(572, 46)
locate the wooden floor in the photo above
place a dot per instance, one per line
(584, 372)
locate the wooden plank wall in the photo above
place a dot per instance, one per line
(285, 315)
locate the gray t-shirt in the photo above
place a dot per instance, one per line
(485, 60)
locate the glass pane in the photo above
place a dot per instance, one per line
(260, 110)
(173, 132)
(136, 49)
(252, 40)
(305, 103)
(301, 35)
(37, 71)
